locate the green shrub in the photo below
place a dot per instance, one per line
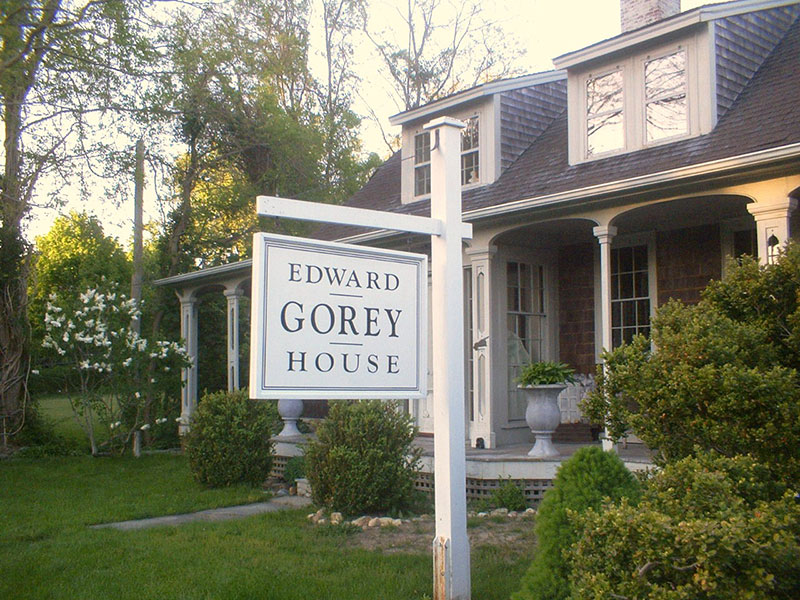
(706, 527)
(229, 439)
(295, 469)
(362, 460)
(509, 495)
(721, 375)
(582, 482)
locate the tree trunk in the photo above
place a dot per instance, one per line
(14, 267)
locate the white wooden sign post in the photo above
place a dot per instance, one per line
(451, 557)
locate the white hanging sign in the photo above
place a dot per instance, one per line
(334, 320)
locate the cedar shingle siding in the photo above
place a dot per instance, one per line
(525, 114)
(743, 42)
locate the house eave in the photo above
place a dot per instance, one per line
(720, 167)
(206, 275)
(655, 31)
(475, 93)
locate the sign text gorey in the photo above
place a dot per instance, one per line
(337, 321)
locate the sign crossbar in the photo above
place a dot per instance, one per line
(273, 206)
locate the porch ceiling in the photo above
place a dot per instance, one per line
(549, 234)
(682, 213)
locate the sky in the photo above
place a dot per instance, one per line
(544, 28)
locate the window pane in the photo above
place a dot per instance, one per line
(605, 134)
(626, 285)
(604, 127)
(643, 312)
(665, 96)
(666, 118)
(625, 260)
(640, 258)
(469, 168)
(628, 314)
(469, 136)
(422, 180)
(422, 148)
(604, 93)
(665, 76)
(640, 282)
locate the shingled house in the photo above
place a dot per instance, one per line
(596, 191)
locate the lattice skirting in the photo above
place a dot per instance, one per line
(477, 489)
(279, 465)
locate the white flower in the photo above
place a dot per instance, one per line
(145, 427)
(161, 420)
(34, 371)
(137, 395)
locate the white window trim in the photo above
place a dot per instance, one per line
(627, 105)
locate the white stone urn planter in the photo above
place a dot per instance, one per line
(543, 415)
(290, 410)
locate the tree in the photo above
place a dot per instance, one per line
(441, 48)
(74, 255)
(718, 376)
(64, 70)
(589, 478)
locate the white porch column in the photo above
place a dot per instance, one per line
(772, 226)
(233, 297)
(189, 374)
(480, 345)
(451, 563)
(605, 234)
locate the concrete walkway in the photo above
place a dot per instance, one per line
(214, 514)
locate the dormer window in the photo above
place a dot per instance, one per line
(470, 158)
(666, 112)
(604, 110)
(638, 101)
(422, 164)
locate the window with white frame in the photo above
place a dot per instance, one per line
(525, 316)
(605, 130)
(470, 158)
(639, 101)
(470, 154)
(422, 164)
(630, 293)
(665, 110)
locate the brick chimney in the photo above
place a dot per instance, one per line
(638, 13)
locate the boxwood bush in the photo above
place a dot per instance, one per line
(706, 527)
(229, 441)
(362, 460)
(582, 482)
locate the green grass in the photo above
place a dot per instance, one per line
(47, 550)
(57, 412)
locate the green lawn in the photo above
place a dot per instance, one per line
(47, 550)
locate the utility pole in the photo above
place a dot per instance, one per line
(138, 226)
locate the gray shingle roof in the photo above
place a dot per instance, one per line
(765, 115)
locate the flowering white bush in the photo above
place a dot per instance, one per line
(118, 369)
